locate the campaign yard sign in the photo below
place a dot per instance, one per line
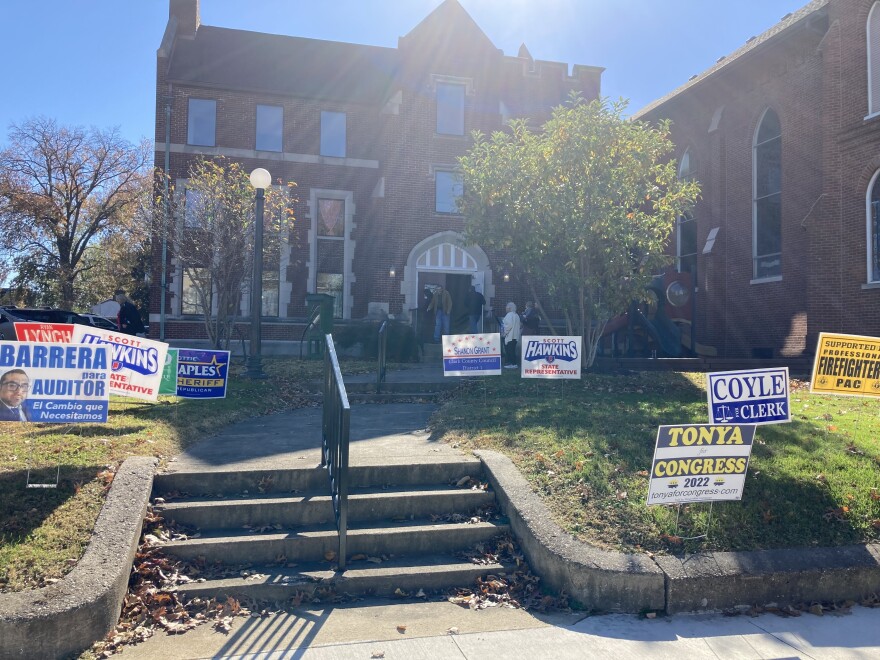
(135, 363)
(168, 384)
(847, 365)
(550, 357)
(757, 396)
(54, 383)
(54, 333)
(472, 355)
(202, 374)
(700, 463)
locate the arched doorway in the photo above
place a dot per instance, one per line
(443, 260)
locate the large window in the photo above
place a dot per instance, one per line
(192, 300)
(447, 189)
(333, 134)
(686, 229)
(270, 124)
(873, 33)
(873, 236)
(450, 109)
(331, 251)
(202, 123)
(767, 199)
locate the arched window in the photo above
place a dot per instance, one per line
(686, 230)
(873, 226)
(873, 33)
(767, 199)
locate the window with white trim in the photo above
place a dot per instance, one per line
(201, 127)
(450, 108)
(191, 301)
(873, 36)
(767, 198)
(270, 124)
(447, 190)
(873, 229)
(333, 134)
(686, 227)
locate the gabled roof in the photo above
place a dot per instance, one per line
(295, 66)
(787, 23)
(449, 20)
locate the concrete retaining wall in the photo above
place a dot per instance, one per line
(69, 616)
(617, 582)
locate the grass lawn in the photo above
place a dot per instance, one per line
(586, 450)
(43, 532)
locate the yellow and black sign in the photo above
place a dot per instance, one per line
(847, 365)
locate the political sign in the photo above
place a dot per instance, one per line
(550, 357)
(55, 333)
(757, 396)
(168, 384)
(700, 463)
(472, 355)
(54, 383)
(202, 374)
(847, 365)
(135, 363)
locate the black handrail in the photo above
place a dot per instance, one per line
(334, 442)
(383, 355)
(313, 316)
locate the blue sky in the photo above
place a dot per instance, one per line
(92, 62)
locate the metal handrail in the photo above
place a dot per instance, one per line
(334, 442)
(313, 316)
(382, 356)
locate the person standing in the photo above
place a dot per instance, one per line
(14, 387)
(531, 321)
(441, 304)
(475, 303)
(128, 319)
(512, 333)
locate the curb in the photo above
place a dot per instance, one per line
(70, 615)
(617, 582)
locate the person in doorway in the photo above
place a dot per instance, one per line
(531, 321)
(128, 319)
(474, 303)
(14, 387)
(441, 305)
(512, 331)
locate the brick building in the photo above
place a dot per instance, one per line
(370, 135)
(784, 136)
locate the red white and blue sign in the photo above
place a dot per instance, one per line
(202, 374)
(472, 355)
(551, 357)
(757, 396)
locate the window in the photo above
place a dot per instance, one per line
(874, 229)
(331, 251)
(450, 109)
(202, 122)
(447, 189)
(767, 199)
(331, 284)
(193, 210)
(333, 134)
(686, 227)
(873, 30)
(190, 298)
(270, 124)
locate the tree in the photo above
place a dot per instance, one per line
(583, 208)
(212, 238)
(62, 189)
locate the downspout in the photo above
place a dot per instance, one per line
(164, 281)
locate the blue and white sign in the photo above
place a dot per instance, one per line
(202, 374)
(472, 355)
(551, 357)
(758, 396)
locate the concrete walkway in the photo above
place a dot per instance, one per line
(383, 434)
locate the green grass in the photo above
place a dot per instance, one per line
(587, 449)
(43, 532)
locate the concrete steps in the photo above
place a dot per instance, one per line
(267, 534)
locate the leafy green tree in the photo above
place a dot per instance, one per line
(62, 191)
(212, 238)
(583, 208)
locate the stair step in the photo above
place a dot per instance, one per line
(397, 538)
(201, 483)
(297, 510)
(408, 574)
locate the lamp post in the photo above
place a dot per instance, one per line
(260, 179)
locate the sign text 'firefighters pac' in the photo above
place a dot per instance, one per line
(847, 364)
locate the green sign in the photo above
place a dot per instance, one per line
(169, 373)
